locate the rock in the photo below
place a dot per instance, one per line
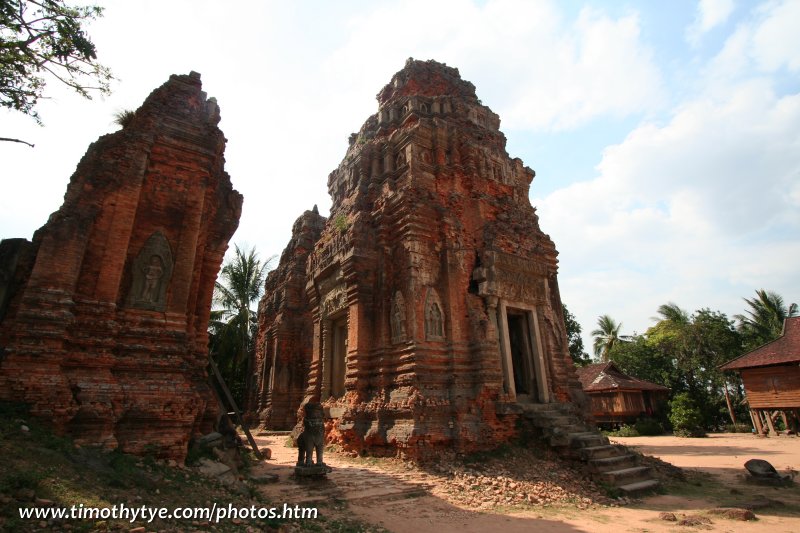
(139, 529)
(212, 468)
(761, 468)
(41, 502)
(734, 513)
(669, 517)
(24, 428)
(694, 521)
(263, 478)
(119, 283)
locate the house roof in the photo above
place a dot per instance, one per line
(784, 349)
(606, 376)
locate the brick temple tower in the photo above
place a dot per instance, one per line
(430, 306)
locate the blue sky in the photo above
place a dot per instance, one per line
(665, 135)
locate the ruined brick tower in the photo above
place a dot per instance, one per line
(430, 306)
(104, 315)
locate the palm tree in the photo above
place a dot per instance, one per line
(606, 336)
(673, 314)
(234, 324)
(765, 318)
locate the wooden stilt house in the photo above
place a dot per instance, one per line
(771, 376)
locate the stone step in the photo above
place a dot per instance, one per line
(625, 476)
(640, 487)
(587, 439)
(600, 452)
(607, 464)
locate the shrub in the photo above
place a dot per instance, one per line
(648, 427)
(623, 431)
(738, 428)
(685, 417)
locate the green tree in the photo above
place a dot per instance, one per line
(41, 40)
(641, 358)
(576, 351)
(606, 336)
(764, 320)
(234, 323)
(685, 416)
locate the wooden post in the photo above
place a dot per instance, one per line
(785, 421)
(232, 403)
(757, 420)
(770, 424)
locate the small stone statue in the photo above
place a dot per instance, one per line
(152, 276)
(313, 436)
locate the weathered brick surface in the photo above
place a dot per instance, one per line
(107, 336)
(434, 269)
(284, 331)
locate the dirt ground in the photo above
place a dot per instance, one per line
(407, 500)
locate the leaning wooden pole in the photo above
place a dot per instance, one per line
(233, 405)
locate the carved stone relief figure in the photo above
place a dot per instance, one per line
(434, 316)
(398, 318)
(151, 272)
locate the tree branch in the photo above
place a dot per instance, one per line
(15, 141)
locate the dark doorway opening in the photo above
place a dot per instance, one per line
(339, 357)
(521, 355)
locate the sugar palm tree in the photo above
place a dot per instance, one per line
(764, 320)
(233, 323)
(606, 336)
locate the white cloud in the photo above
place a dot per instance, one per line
(705, 205)
(776, 40)
(552, 73)
(709, 15)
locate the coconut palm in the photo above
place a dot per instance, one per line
(764, 320)
(606, 336)
(673, 314)
(234, 323)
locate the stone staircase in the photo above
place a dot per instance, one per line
(609, 464)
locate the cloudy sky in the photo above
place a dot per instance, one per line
(665, 135)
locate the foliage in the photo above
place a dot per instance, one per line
(45, 39)
(606, 336)
(576, 351)
(341, 223)
(623, 431)
(685, 416)
(648, 427)
(643, 359)
(124, 117)
(764, 320)
(234, 324)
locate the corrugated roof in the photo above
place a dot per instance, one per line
(606, 376)
(785, 349)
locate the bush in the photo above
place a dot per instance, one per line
(648, 427)
(738, 428)
(623, 431)
(685, 417)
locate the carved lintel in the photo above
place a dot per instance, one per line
(334, 301)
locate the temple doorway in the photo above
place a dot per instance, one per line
(338, 356)
(522, 353)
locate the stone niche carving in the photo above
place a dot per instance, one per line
(398, 318)
(434, 316)
(150, 273)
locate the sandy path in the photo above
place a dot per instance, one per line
(407, 501)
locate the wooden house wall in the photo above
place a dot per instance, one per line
(772, 387)
(610, 405)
